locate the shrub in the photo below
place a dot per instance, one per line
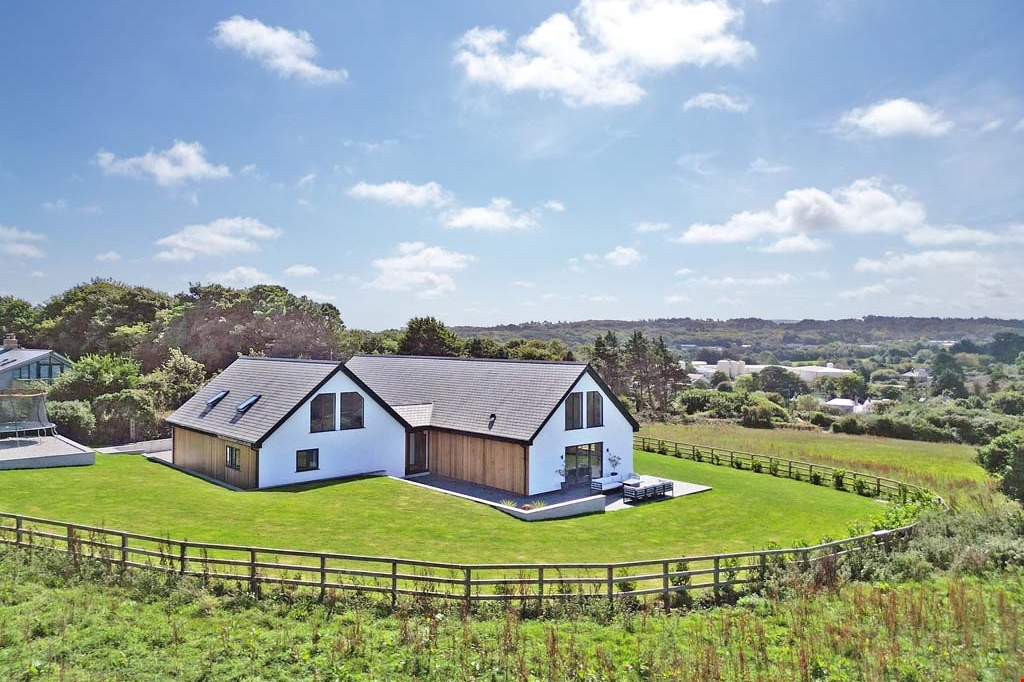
(838, 477)
(537, 504)
(756, 467)
(124, 416)
(860, 486)
(773, 468)
(815, 478)
(850, 425)
(821, 419)
(74, 419)
(625, 585)
(508, 503)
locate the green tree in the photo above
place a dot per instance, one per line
(947, 376)
(124, 417)
(1004, 459)
(18, 317)
(429, 336)
(607, 359)
(95, 375)
(175, 381)
(774, 379)
(851, 386)
(483, 347)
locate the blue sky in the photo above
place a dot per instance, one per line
(494, 162)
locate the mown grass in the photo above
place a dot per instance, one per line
(948, 469)
(385, 517)
(60, 625)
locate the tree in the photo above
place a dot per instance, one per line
(429, 336)
(96, 375)
(1004, 459)
(947, 376)
(18, 317)
(851, 386)
(483, 347)
(607, 360)
(774, 379)
(717, 377)
(124, 416)
(175, 381)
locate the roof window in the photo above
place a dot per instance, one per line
(216, 398)
(247, 403)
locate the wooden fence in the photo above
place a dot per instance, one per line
(258, 568)
(863, 484)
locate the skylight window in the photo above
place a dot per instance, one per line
(247, 403)
(216, 398)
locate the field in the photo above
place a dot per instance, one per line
(946, 468)
(56, 624)
(386, 517)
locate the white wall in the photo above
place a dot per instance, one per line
(547, 454)
(379, 445)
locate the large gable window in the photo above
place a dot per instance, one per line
(574, 411)
(321, 413)
(307, 460)
(595, 409)
(351, 411)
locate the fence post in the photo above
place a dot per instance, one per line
(71, 540)
(790, 468)
(764, 570)
(323, 576)
(611, 584)
(468, 588)
(664, 587)
(394, 583)
(716, 591)
(124, 552)
(182, 557)
(540, 587)
(253, 585)
(17, 530)
(878, 486)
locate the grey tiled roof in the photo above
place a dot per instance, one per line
(16, 357)
(465, 392)
(282, 385)
(416, 415)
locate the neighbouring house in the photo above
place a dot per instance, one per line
(843, 404)
(919, 375)
(523, 426)
(28, 364)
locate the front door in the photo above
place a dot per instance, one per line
(416, 452)
(583, 462)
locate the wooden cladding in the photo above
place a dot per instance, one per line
(493, 463)
(207, 455)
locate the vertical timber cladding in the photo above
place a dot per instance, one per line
(494, 463)
(207, 455)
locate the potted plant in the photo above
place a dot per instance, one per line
(614, 461)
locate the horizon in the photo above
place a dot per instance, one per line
(581, 160)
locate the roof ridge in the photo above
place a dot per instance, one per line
(307, 361)
(500, 360)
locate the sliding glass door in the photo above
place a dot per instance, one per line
(583, 462)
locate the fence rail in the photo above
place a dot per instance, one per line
(843, 479)
(260, 568)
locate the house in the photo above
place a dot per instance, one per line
(522, 426)
(842, 404)
(29, 363)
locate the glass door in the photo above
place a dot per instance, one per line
(416, 452)
(583, 462)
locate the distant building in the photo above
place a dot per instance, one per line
(736, 368)
(29, 364)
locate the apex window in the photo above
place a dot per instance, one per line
(351, 411)
(307, 460)
(321, 413)
(574, 411)
(595, 409)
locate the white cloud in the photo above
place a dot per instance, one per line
(498, 216)
(623, 256)
(672, 299)
(418, 267)
(184, 161)
(991, 126)
(925, 260)
(369, 147)
(684, 271)
(251, 170)
(58, 205)
(599, 55)
(955, 234)
(768, 281)
(894, 117)
(108, 257)
(864, 292)
(1019, 126)
(862, 207)
(300, 270)
(242, 276)
(719, 101)
(289, 54)
(399, 193)
(554, 206)
(646, 227)
(760, 165)
(17, 243)
(799, 243)
(222, 236)
(306, 179)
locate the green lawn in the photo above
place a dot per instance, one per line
(946, 468)
(386, 517)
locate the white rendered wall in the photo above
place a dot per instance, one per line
(547, 454)
(379, 445)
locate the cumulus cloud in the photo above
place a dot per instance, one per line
(242, 276)
(893, 118)
(799, 243)
(420, 268)
(600, 53)
(1019, 126)
(18, 243)
(300, 270)
(108, 257)
(956, 234)
(925, 260)
(554, 206)
(864, 206)
(222, 236)
(289, 54)
(399, 193)
(864, 292)
(760, 165)
(623, 256)
(498, 216)
(718, 101)
(182, 162)
(991, 126)
(646, 227)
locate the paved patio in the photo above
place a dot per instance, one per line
(36, 452)
(482, 493)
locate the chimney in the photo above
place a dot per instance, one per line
(10, 342)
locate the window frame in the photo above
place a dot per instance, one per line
(595, 406)
(233, 457)
(347, 424)
(574, 411)
(316, 460)
(333, 415)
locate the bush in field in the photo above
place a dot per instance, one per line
(849, 424)
(1004, 459)
(823, 420)
(74, 419)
